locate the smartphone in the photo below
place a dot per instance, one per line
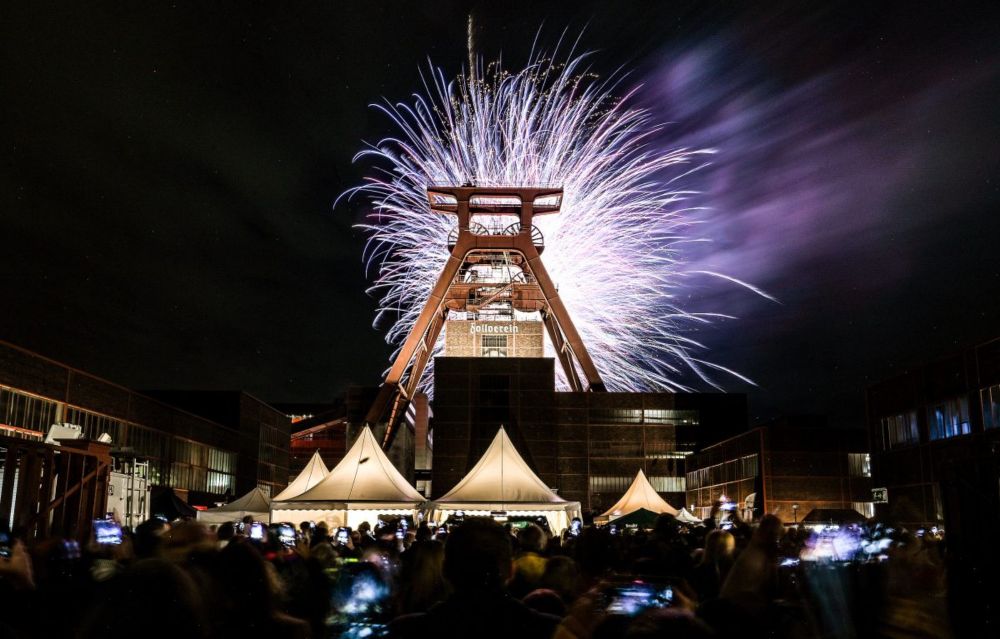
(6, 545)
(257, 530)
(342, 536)
(632, 598)
(286, 535)
(107, 532)
(360, 600)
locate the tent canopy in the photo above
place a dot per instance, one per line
(641, 517)
(501, 477)
(640, 494)
(365, 474)
(502, 481)
(255, 504)
(685, 517)
(312, 474)
(164, 502)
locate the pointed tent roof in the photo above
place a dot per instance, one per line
(640, 494)
(312, 474)
(364, 474)
(501, 476)
(254, 501)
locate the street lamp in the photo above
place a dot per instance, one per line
(795, 514)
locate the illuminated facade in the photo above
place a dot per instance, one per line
(245, 445)
(935, 436)
(785, 468)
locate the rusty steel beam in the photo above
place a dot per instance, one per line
(565, 357)
(540, 294)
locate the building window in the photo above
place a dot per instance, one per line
(859, 464)
(494, 346)
(668, 484)
(599, 484)
(991, 406)
(949, 418)
(899, 430)
(668, 416)
(866, 508)
(28, 412)
(616, 416)
(95, 425)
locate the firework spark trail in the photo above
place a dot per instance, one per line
(614, 250)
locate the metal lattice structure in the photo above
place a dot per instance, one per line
(486, 240)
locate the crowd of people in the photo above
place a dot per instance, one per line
(476, 578)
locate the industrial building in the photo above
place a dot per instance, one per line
(587, 446)
(217, 444)
(935, 435)
(787, 468)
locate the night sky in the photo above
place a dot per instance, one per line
(169, 173)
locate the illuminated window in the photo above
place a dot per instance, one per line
(991, 406)
(899, 430)
(859, 464)
(866, 508)
(26, 411)
(668, 484)
(494, 346)
(949, 418)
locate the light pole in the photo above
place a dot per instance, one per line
(795, 514)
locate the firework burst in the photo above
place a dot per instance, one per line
(616, 249)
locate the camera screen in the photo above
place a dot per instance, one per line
(633, 598)
(256, 530)
(360, 602)
(107, 532)
(286, 535)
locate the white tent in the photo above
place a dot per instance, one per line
(686, 517)
(312, 474)
(361, 487)
(255, 503)
(640, 494)
(502, 481)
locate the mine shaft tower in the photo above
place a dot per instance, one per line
(494, 271)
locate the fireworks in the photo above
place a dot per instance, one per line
(616, 248)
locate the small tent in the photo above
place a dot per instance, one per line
(361, 487)
(686, 517)
(255, 504)
(164, 503)
(501, 481)
(640, 494)
(314, 472)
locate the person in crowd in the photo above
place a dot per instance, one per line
(421, 580)
(155, 597)
(716, 560)
(225, 533)
(477, 564)
(529, 566)
(753, 579)
(148, 536)
(245, 598)
(562, 576)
